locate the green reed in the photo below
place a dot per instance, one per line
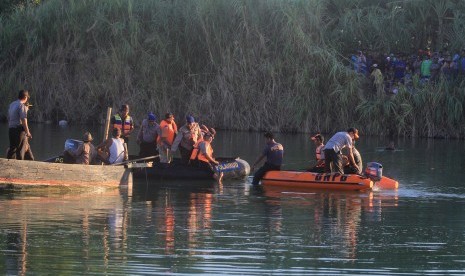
(234, 64)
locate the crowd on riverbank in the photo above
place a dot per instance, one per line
(389, 72)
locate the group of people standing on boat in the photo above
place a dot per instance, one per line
(161, 140)
(164, 139)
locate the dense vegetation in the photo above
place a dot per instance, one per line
(236, 64)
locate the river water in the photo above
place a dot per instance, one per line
(180, 228)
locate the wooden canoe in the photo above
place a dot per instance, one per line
(20, 174)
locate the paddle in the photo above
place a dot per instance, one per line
(136, 160)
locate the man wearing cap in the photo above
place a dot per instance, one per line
(123, 121)
(86, 153)
(318, 139)
(187, 137)
(273, 152)
(168, 130)
(334, 147)
(18, 128)
(147, 136)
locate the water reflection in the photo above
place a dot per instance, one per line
(49, 223)
(202, 227)
(334, 216)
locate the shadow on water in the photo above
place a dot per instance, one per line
(150, 189)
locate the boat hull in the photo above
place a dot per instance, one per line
(232, 168)
(19, 173)
(387, 183)
(301, 179)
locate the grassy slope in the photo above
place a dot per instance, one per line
(234, 64)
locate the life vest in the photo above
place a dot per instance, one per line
(197, 153)
(125, 125)
(318, 156)
(168, 131)
(318, 152)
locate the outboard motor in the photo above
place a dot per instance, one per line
(72, 144)
(374, 171)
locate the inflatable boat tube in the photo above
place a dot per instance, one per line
(232, 168)
(387, 183)
(300, 179)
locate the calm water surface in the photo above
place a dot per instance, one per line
(180, 228)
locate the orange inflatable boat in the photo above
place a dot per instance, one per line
(311, 180)
(347, 182)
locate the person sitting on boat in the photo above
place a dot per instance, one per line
(319, 167)
(273, 152)
(187, 137)
(147, 136)
(123, 121)
(85, 154)
(333, 150)
(350, 169)
(202, 155)
(168, 130)
(113, 150)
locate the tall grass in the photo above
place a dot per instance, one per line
(235, 64)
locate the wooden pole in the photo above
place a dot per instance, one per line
(107, 124)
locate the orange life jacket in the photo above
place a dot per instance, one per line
(318, 152)
(125, 125)
(318, 155)
(197, 153)
(168, 131)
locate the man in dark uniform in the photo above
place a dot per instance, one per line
(273, 152)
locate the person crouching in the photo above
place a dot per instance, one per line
(85, 154)
(202, 156)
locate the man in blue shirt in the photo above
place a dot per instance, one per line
(273, 152)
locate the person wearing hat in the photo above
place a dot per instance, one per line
(333, 151)
(319, 167)
(187, 137)
(85, 154)
(273, 152)
(18, 128)
(123, 121)
(168, 131)
(147, 136)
